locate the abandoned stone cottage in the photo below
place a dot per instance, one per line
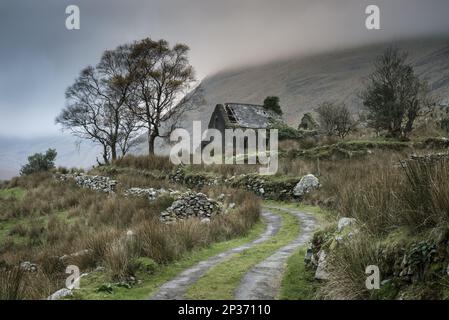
(241, 116)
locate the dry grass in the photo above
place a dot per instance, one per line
(383, 198)
(54, 219)
(346, 268)
(152, 162)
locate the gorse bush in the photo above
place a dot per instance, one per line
(39, 162)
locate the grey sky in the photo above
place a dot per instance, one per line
(39, 58)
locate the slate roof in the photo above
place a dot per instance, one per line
(249, 115)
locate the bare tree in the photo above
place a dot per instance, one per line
(163, 77)
(98, 104)
(395, 97)
(335, 119)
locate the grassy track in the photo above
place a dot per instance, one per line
(221, 281)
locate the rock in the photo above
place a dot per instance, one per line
(28, 266)
(307, 184)
(344, 222)
(130, 235)
(321, 273)
(60, 294)
(205, 220)
(231, 205)
(308, 256)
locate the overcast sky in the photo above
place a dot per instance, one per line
(39, 57)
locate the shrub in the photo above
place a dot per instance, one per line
(272, 103)
(146, 265)
(335, 119)
(39, 162)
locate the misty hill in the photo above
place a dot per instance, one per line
(15, 151)
(304, 82)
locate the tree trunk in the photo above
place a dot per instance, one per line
(151, 140)
(105, 154)
(114, 152)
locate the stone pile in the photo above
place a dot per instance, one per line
(191, 204)
(150, 193)
(98, 183)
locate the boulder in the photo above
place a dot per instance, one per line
(345, 222)
(321, 272)
(307, 184)
(62, 293)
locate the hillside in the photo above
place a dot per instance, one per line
(303, 83)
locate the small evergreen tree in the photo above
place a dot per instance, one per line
(272, 103)
(39, 162)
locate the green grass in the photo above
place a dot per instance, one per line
(221, 281)
(14, 193)
(298, 283)
(7, 225)
(150, 283)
